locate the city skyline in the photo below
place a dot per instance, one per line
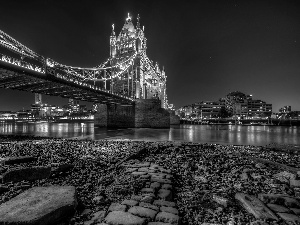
(207, 49)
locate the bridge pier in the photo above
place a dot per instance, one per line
(143, 113)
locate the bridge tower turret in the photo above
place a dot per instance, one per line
(113, 40)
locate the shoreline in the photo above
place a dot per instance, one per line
(203, 173)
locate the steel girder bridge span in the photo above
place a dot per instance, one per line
(22, 69)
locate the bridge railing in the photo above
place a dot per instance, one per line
(21, 63)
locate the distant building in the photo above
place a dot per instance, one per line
(285, 109)
(243, 106)
(208, 109)
(235, 104)
(38, 99)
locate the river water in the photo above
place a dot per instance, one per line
(221, 134)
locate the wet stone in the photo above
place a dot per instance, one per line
(155, 185)
(117, 207)
(291, 202)
(244, 176)
(169, 210)
(136, 174)
(147, 190)
(148, 205)
(143, 212)
(158, 223)
(157, 175)
(220, 200)
(255, 207)
(98, 216)
(144, 169)
(295, 183)
(130, 170)
(296, 211)
(167, 186)
(130, 202)
(164, 203)
(167, 218)
(136, 197)
(38, 205)
(146, 176)
(145, 164)
(289, 217)
(278, 208)
(165, 194)
(284, 176)
(123, 218)
(147, 198)
(162, 181)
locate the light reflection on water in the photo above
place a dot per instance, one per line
(222, 134)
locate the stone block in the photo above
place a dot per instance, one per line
(155, 185)
(255, 207)
(164, 203)
(165, 194)
(284, 176)
(166, 217)
(143, 212)
(30, 173)
(291, 202)
(148, 205)
(278, 208)
(98, 216)
(289, 217)
(130, 170)
(137, 174)
(167, 186)
(220, 200)
(294, 183)
(117, 207)
(158, 223)
(148, 198)
(136, 197)
(130, 202)
(162, 181)
(40, 205)
(19, 159)
(123, 218)
(147, 190)
(169, 210)
(144, 169)
(296, 211)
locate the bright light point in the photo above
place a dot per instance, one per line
(128, 17)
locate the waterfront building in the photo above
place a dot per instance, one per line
(208, 109)
(285, 109)
(244, 106)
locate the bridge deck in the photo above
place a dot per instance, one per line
(23, 79)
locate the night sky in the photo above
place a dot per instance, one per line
(208, 48)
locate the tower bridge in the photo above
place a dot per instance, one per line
(128, 88)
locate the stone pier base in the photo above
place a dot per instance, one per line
(144, 113)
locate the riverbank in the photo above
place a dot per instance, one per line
(206, 177)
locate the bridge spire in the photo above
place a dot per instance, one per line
(138, 21)
(113, 30)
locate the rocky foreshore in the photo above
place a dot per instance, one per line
(115, 182)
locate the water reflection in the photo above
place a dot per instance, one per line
(222, 134)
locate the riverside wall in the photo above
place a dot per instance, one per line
(144, 113)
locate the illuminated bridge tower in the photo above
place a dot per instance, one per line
(129, 72)
(133, 73)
